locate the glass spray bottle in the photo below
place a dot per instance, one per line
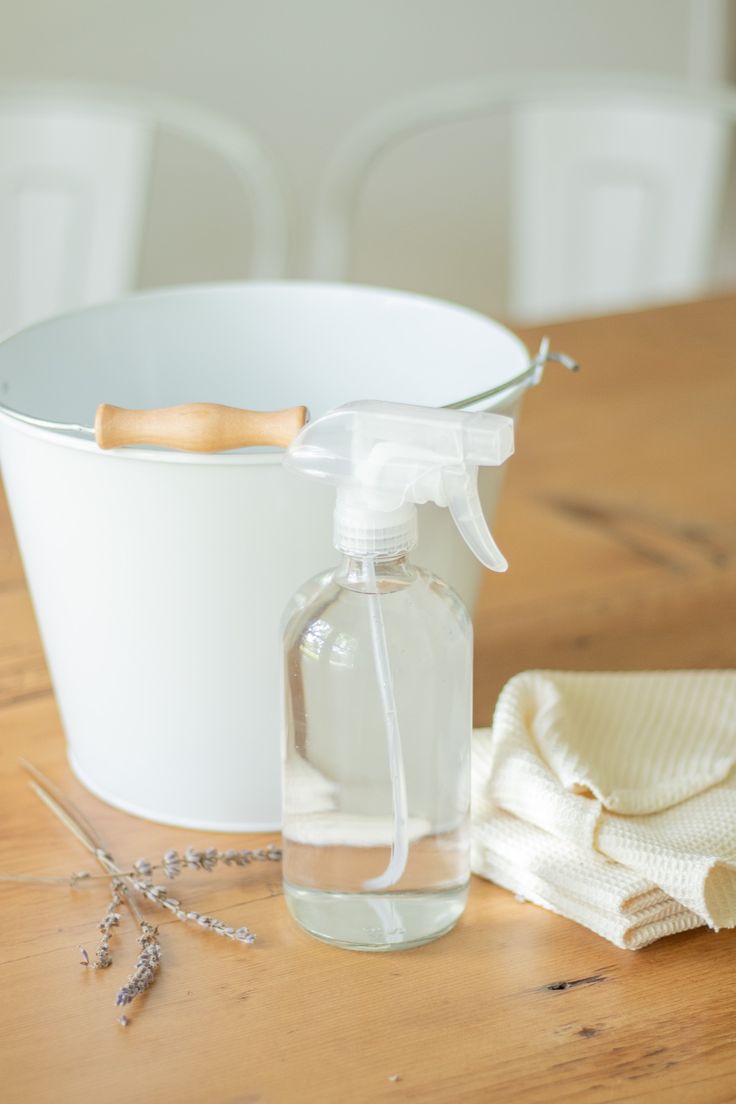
(378, 681)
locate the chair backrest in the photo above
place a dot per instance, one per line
(616, 185)
(615, 203)
(74, 173)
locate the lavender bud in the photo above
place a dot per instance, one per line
(172, 864)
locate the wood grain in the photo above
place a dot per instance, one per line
(619, 513)
(197, 427)
(620, 524)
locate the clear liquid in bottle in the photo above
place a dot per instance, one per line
(339, 796)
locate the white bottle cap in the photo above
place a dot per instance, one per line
(378, 534)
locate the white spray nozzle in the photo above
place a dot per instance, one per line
(386, 458)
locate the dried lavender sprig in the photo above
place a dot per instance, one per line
(110, 920)
(81, 828)
(150, 957)
(146, 966)
(159, 895)
(173, 863)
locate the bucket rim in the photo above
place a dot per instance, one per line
(68, 439)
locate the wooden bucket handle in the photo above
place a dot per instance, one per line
(197, 427)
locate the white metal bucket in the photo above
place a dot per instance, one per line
(159, 577)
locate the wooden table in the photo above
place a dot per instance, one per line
(620, 523)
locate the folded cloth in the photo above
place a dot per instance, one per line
(611, 798)
(602, 895)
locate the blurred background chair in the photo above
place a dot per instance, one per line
(617, 186)
(75, 174)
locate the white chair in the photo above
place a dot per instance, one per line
(75, 164)
(617, 185)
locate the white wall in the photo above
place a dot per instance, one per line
(302, 72)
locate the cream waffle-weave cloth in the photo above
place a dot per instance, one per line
(611, 799)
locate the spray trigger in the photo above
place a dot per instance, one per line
(463, 500)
